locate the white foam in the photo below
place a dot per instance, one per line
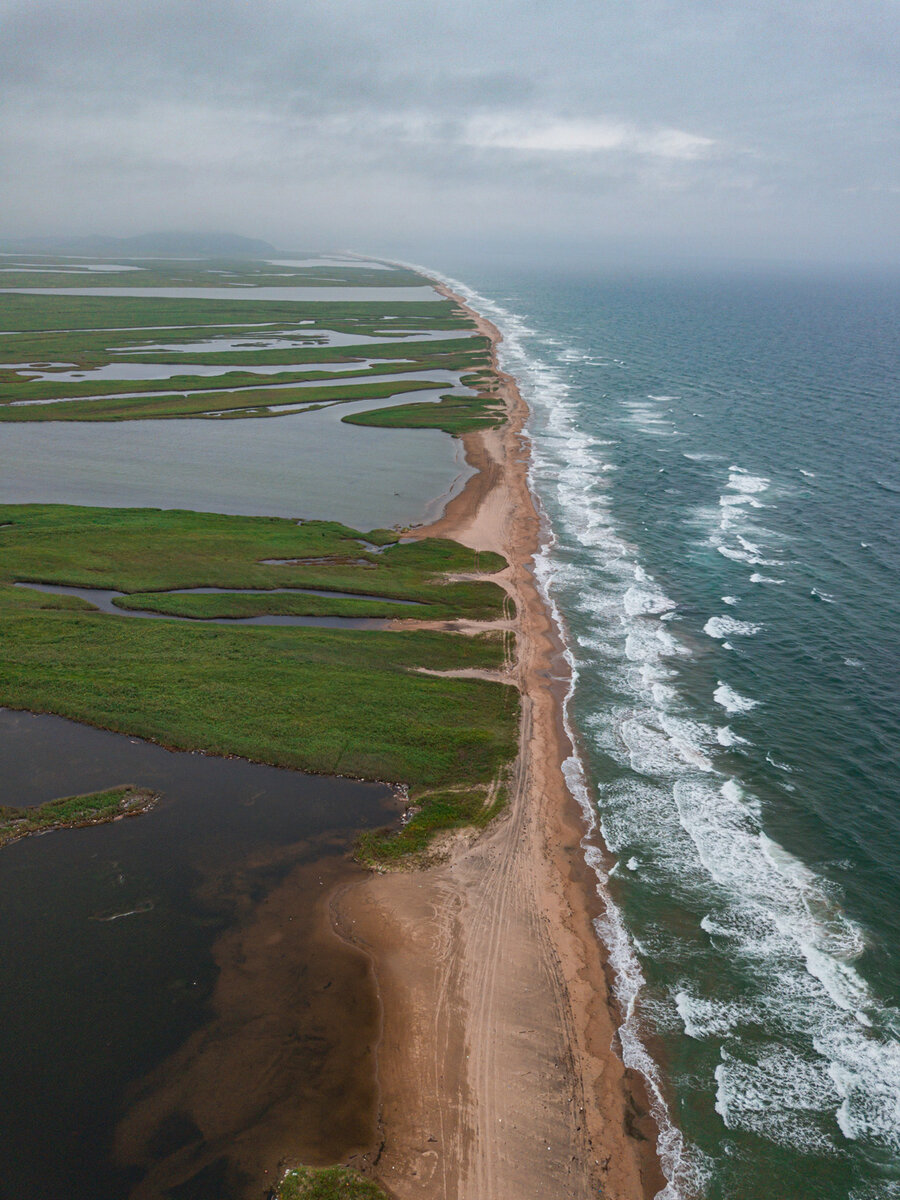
(732, 701)
(743, 481)
(642, 601)
(779, 766)
(725, 736)
(757, 578)
(722, 627)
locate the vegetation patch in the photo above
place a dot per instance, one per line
(74, 812)
(327, 1183)
(332, 701)
(433, 812)
(252, 399)
(455, 415)
(149, 550)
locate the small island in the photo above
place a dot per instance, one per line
(74, 812)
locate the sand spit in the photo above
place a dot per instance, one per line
(497, 1076)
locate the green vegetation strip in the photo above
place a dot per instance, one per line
(74, 812)
(248, 401)
(434, 812)
(62, 312)
(332, 701)
(455, 415)
(328, 1183)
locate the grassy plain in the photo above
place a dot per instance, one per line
(249, 401)
(38, 271)
(327, 700)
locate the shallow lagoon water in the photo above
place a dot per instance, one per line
(293, 339)
(132, 370)
(450, 378)
(305, 466)
(137, 955)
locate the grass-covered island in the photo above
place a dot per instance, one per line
(74, 812)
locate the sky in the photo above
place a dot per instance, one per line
(619, 131)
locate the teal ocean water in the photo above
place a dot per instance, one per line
(718, 464)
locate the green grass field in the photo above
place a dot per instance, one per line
(333, 701)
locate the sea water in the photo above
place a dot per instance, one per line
(717, 460)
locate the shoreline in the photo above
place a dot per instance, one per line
(496, 1070)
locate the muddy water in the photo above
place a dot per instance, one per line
(176, 1015)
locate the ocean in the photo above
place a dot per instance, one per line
(717, 460)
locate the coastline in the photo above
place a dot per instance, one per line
(496, 1070)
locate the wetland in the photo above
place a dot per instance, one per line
(178, 1016)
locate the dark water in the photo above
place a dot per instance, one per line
(175, 1013)
(719, 461)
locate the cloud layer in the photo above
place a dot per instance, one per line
(663, 128)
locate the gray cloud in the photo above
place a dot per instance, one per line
(676, 127)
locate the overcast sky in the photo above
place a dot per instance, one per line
(591, 129)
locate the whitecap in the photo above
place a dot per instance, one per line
(779, 766)
(757, 578)
(732, 701)
(646, 602)
(725, 736)
(722, 627)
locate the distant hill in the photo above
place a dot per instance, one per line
(174, 245)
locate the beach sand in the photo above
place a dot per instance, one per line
(497, 1071)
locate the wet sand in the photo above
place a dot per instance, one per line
(497, 1072)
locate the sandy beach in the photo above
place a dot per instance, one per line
(497, 1071)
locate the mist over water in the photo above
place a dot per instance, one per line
(719, 467)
